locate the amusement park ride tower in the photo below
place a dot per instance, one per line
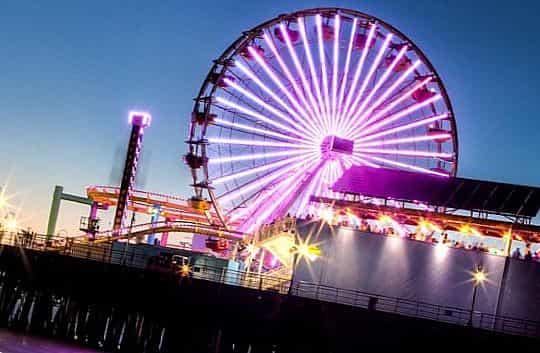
(139, 122)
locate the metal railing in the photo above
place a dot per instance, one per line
(418, 309)
(136, 257)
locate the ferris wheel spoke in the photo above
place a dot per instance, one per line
(408, 126)
(261, 117)
(359, 120)
(367, 79)
(357, 73)
(263, 104)
(314, 77)
(405, 140)
(309, 191)
(289, 76)
(287, 186)
(299, 69)
(272, 94)
(360, 114)
(276, 136)
(387, 108)
(346, 70)
(260, 168)
(396, 116)
(255, 156)
(335, 72)
(305, 115)
(262, 197)
(324, 73)
(228, 141)
(408, 153)
(261, 181)
(404, 165)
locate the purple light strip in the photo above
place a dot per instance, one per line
(403, 97)
(337, 30)
(405, 140)
(254, 129)
(265, 88)
(258, 169)
(283, 183)
(357, 117)
(405, 152)
(259, 143)
(298, 66)
(249, 157)
(307, 115)
(404, 165)
(255, 183)
(398, 115)
(309, 191)
(260, 102)
(358, 71)
(324, 73)
(272, 204)
(314, 77)
(347, 66)
(367, 79)
(381, 99)
(261, 117)
(290, 77)
(411, 125)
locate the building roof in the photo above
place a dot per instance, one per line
(457, 193)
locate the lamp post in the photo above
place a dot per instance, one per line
(301, 250)
(479, 276)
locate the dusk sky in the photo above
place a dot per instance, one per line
(71, 71)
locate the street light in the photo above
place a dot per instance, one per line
(302, 250)
(479, 276)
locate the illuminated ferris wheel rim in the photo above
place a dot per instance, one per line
(219, 70)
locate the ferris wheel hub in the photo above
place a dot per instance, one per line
(333, 146)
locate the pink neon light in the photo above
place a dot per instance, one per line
(249, 157)
(335, 72)
(385, 95)
(263, 104)
(314, 77)
(362, 161)
(356, 132)
(405, 140)
(405, 152)
(298, 66)
(258, 143)
(322, 59)
(405, 165)
(404, 127)
(139, 118)
(256, 115)
(309, 191)
(374, 90)
(347, 65)
(399, 115)
(256, 79)
(371, 71)
(359, 68)
(255, 183)
(254, 129)
(287, 72)
(256, 170)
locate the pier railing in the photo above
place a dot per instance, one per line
(134, 256)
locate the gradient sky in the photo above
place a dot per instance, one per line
(71, 70)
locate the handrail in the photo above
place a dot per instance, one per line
(136, 257)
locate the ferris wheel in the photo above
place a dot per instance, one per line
(297, 100)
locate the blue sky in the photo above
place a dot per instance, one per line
(71, 70)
